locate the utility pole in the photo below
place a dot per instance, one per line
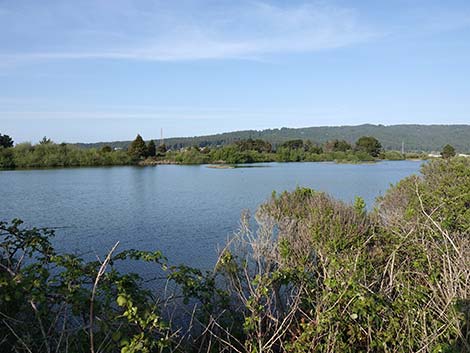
(161, 137)
(403, 147)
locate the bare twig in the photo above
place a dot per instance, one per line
(93, 293)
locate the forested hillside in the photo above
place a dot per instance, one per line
(415, 137)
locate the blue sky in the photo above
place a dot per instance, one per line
(94, 70)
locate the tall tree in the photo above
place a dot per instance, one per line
(448, 151)
(151, 149)
(45, 141)
(161, 150)
(138, 148)
(6, 141)
(311, 147)
(254, 145)
(337, 146)
(369, 145)
(106, 149)
(293, 144)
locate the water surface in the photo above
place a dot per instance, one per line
(185, 211)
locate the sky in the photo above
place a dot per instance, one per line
(104, 70)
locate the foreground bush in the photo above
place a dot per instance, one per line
(316, 275)
(59, 303)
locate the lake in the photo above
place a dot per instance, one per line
(188, 212)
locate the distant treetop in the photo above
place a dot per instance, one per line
(6, 141)
(45, 141)
(448, 151)
(138, 148)
(369, 145)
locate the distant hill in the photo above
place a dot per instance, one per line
(415, 137)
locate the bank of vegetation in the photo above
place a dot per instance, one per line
(315, 275)
(47, 154)
(366, 149)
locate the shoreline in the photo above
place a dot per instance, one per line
(144, 164)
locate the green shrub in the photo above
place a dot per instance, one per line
(58, 302)
(51, 155)
(392, 155)
(7, 160)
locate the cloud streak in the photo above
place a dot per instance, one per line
(181, 115)
(172, 31)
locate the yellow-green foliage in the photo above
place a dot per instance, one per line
(49, 155)
(443, 191)
(396, 280)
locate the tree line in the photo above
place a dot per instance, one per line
(46, 153)
(365, 149)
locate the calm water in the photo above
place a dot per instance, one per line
(185, 211)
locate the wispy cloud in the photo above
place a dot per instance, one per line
(216, 115)
(437, 19)
(169, 31)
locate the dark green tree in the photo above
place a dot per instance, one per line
(6, 141)
(448, 151)
(161, 150)
(106, 149)
(337, 146)
(293, 144)
(370, 145)
(45, 141)
(311, 147)
(254, 145)
(151, 149)
(138, 148)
